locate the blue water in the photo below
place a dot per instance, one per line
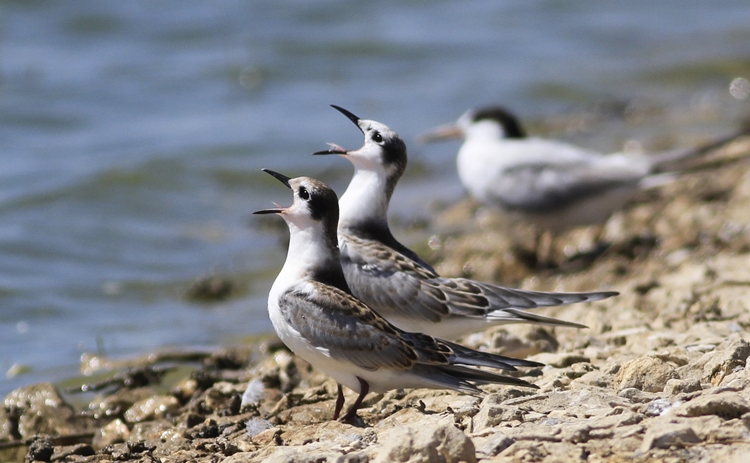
(132, 134)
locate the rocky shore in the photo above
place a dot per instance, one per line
(660, 375)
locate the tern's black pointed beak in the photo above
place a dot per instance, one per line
(280, 177)
(334, 149)
(348, 114)
(269, 211)
(283, 179)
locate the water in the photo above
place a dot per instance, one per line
(132, 134)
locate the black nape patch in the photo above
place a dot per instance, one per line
(323, 203)
(394, 154)
(510, 123)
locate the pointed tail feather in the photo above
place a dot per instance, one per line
(503, 297)
(471, 375)
(465, 356)
(512, 315)
(670, 161)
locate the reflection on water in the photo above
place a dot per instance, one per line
(132, 134)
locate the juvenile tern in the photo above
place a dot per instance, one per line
(393, 280)
(549, 183)
(316, 316)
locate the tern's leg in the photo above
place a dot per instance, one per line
(544, 247)
(351, 415)
(339, 403)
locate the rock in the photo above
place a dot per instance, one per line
(151, 408)
(721, 362)
(560, 360)
(224, 398)
(670, 435)
(84, 450)
(594, 378)
(36, 395)
(114, 432)
(41, 449)
(296, 454)
(493, 444)
(659, 407)
(40, 410)
(726, 405)
(492, 412)
(116, 404)
(8, 428)
(333, 433)
(636, 395)
(647, 373)
(149, 431)
(680, 386)
(425, 444)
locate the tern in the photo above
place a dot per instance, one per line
(315, 314)
(552, 184)
(393, 280)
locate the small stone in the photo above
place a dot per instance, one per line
(33, 396)
(561, 360)
(84, 450)
(494, 444)
(40, 410)
(40, 449)
(669, 435)
(114, 432)
(647, 373)
(224, 398)
(726, 405)
(149, 430)
(722, 361)
(594, 378)
(636, 395)
(659, 407)
(151, 408)
(679, 386)
(491, 413)
(425, 443)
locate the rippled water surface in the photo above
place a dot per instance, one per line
(132, 134)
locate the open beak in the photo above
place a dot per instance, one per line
(283, 179)
(443, 132)
(334, 149)
(348, 114)
(280, 177)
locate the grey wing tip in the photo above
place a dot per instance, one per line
(523, 316)
(605, 295)
(511, 381)
(525, 363)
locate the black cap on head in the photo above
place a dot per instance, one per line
(509, 122)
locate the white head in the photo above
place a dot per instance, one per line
(378, 165)
(312, 219)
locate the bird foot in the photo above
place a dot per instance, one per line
(352, 419)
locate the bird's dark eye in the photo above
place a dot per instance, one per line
(303, 193)
(376, 137)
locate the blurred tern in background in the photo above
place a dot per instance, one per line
(551, 183)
